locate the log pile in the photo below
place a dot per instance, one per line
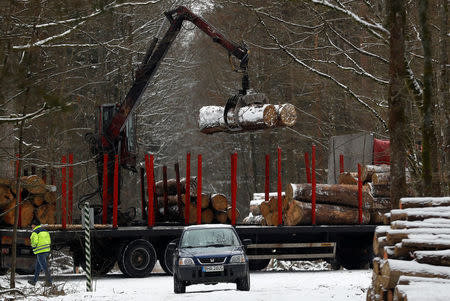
(215, 208)
(38, 201)
(262, 212)
(249, 118)
(413, 252)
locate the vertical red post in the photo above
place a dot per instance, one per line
(142, 177)
(177, 176)
(199, 189)
(267, 182)
(280, 209)
(308, 171)
(70, 209)
(165, 194)
(19, 223)
(233, 187)
(187, 201)
(149, 167)
(44, 175)
(116, 190)
(105, 189)
(359, 195)
(341, 163)
(63, 190)
(313, 184)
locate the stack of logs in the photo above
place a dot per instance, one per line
(215, 207)
(335, 204)
(37, 205)
(413, 253)
(249, 118)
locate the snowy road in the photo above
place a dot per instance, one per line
(279, 286)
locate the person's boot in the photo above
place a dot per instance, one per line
(32, 282)
(48, 282)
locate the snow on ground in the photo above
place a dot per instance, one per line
(266, 285)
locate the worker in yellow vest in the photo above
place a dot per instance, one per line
(40, 242)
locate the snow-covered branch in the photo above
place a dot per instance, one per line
(16, 118)
(325, 75)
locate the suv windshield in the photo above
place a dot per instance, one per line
(197, 238)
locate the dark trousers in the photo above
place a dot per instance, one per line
(41, 265)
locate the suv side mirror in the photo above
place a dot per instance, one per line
(246, 242)
(172, 246)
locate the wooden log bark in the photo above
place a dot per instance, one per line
(207, 216)
(171, 200)
(6, 182)
(219, 202)
(46, 214)
(384, 178)
(299, 213)
(368, 170)
(395, 236)
(5, 196)
(27, 213)
(33, 184)
(424, 202)
(435, 223)
(50, 197)
(418, 290)
(337, 194)
(172, 186)
(412, 280)
(37, 200)
(250, 118)
(255, 210)
(287, 116)
(378, 246)
(417, 214)
(221, 217)
(229, 213)
(392, 269)
(426, 244)
(273, 203)
(348, 178)
(264, 208)
(441, 258)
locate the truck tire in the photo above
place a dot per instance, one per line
(166, 258)
(353, 257)
(138, 259)
(100, 266)
(258, 264)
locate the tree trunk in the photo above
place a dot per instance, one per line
(337, 194)
(299, 213)
(219, 202)
(441, 258)
(397, 98)
(250, 118)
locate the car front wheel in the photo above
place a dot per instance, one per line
(178, 286)
(243, 284)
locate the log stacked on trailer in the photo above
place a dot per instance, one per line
(262, 212)
(38, 201)
(249, 118)
(214, 207)
(413, 252)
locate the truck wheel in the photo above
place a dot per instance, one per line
(100, 266)
(166, 258)
(178, 286)
(353, 258)
(258, 264)
(138, 258)
(243, 284)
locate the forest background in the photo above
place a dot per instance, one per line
(348, 66)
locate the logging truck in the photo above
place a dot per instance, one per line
(135, 247)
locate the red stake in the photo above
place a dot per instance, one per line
(341, 163)
(19, 223)
(116, 190)
(63, 189)
(280, 213)
(308, 171)
(199, 189)
(359, 194)
(187, 201)
(70, 188)
(177, 175)
(267, 182)
(165, 195)
(105, 189)
(233, 187)
(149, 167)
(313, 194)
(142, 176)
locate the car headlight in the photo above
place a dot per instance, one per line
(185, 261)
(237, 259)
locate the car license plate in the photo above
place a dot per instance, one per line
(213, 268)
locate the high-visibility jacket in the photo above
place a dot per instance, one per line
(40, 240)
